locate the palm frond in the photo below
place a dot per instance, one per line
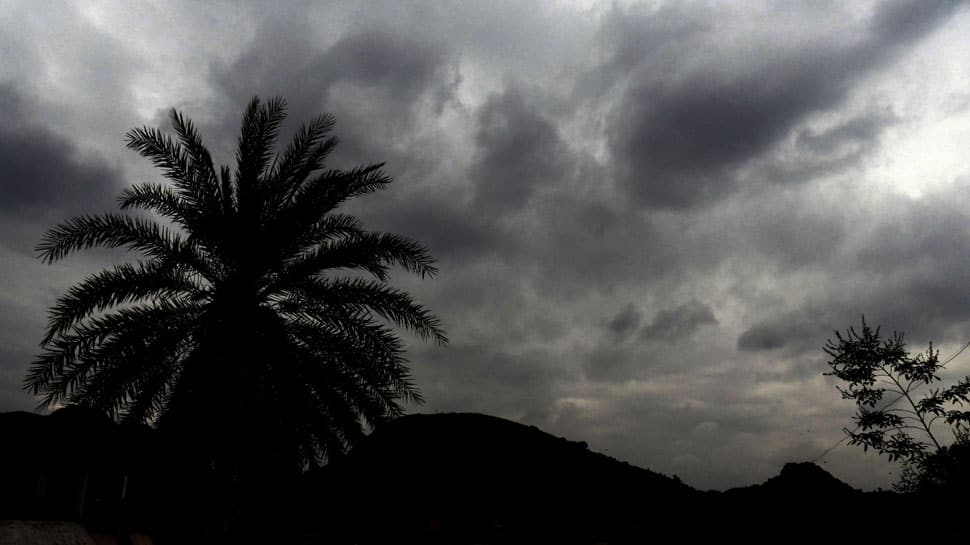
(305, 153)
(371, 351)
(328, 189)
(291, 236)
(160, 199)
(163, 151)
(195, 151)
(370, 252)
(121, 284)
(68, 357)
(133, 366)
(356, 295)
(109, 231)
(260, 127)
(114, 231)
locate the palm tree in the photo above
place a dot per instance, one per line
(256, 315)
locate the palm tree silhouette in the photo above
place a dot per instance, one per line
(258, 319)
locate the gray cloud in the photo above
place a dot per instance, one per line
(625, 321)
(632, 350)
(519, 151)
(680, 135)
(902, 264)
(451, 229)
(382, 83)
(791, 228)
(852, 133)
(377, 79)
(403, 66)
(816, 152)
(678, 322)
(612, 362)
(802, 330)
(45, 176)
(486, 377)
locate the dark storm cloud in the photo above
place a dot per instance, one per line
(526, 200)
(625, 321)
(812, 153)
(451, 229)
(45, 177)
(386, 86)
(631, 350)
(382, 83)
(577, 195)
(679, 135)
(519, 151)
(904, 231)
(42, 170)
(375, 79)
(903, 266)
(803, 330)
(404, 65)
(791, 228)
(678, 322)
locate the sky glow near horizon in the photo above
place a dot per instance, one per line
(649, 216)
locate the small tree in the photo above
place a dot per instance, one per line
(882, 378)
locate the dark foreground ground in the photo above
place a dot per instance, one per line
(444, 478)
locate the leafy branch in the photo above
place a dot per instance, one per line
(881, 375)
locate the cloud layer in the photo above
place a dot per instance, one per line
(648, 217)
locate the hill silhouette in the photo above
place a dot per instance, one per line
(473, 478)
(441, 478)
(483, 477)
(797, 482)
(73, 464)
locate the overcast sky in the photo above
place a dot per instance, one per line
(648, 216)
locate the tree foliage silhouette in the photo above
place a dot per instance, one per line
(882, 378)
(258, 319)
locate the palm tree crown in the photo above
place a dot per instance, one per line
(257, 313)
